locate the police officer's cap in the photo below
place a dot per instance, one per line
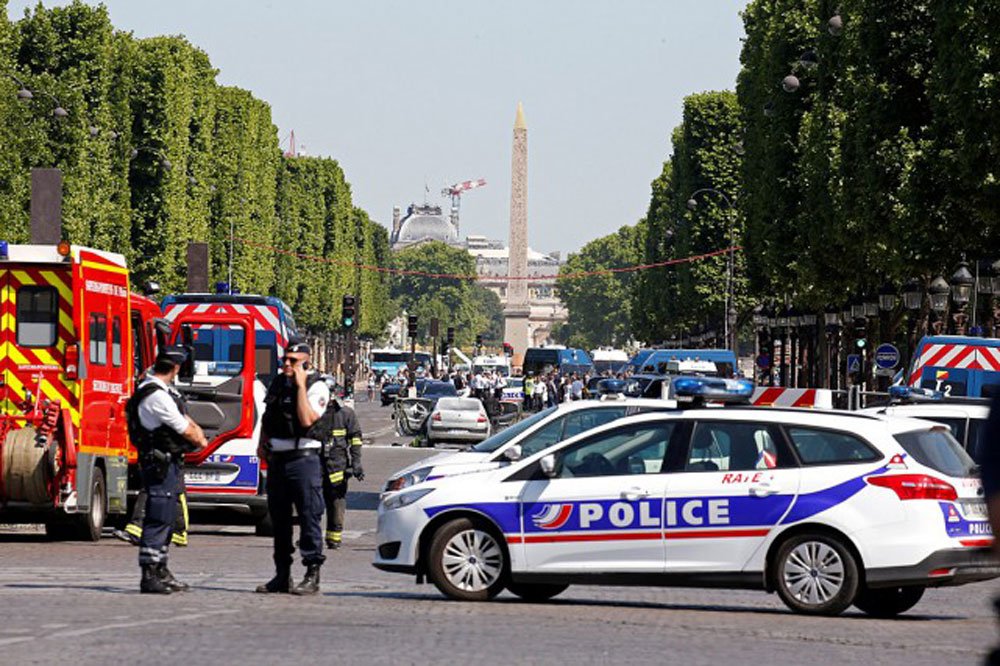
(298, 347)
(174, 354)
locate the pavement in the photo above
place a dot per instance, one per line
(79, 602)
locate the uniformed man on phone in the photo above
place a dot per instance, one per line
(162, 432)
(295, 401)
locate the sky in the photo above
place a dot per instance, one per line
(405, 93)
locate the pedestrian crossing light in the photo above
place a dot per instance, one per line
(349, 314)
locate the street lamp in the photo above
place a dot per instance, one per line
(730, 304)
(871, 309)
(887, 298)
(913, 294)
(938, 292)
(962, 282)
(808, 60)
(835, 26)
(857, 311)
(790, 83)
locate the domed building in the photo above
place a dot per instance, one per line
(423, 223)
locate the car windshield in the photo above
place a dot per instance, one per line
(496, 441)
(937, 449)
(436, 388)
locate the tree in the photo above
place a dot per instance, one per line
(600, 305)
(454, 301)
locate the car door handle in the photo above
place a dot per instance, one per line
(763, 490)
(633, 494)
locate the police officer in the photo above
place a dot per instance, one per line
(342, 458)
(295, 401)
(159, 426)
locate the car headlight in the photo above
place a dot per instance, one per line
(405, 499)
(408, 479)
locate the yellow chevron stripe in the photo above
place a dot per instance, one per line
(23, 277)
(7, 322)
(54, 280)
(105, 267)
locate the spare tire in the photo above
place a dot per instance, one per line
(26, 468)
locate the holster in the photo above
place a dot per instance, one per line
(156, 463)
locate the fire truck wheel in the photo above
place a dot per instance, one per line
(25, 470)
(89, 525)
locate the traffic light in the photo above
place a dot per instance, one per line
(348, 312)
(479, 340)
(411, 326)
(508, 349)
(451, 336)
(860, 332)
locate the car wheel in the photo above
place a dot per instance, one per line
(888, 601)
(88, 525)
(815, 574)
(536, 592)
(467, 561)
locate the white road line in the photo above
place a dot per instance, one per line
(74, 633)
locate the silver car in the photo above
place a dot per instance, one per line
(458, 420)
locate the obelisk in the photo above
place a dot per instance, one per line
(517, 311)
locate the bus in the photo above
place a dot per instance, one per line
(390, 361)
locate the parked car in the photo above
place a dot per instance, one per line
(389, 392)
(458, 420)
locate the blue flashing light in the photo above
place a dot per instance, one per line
(222, 287)
(914, 394)
(4, 251)
(716, 389)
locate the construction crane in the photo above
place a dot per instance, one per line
(455, 191)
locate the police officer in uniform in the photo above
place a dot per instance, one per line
(295, 401)
(162, 431)
(342, 459)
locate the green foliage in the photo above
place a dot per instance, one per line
(154, 154)
(600, 305)
(457, 302)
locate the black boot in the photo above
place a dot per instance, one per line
(281, 583)
(309, 584)
(151, 582)
(168, 579)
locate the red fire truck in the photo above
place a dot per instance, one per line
(72, 339)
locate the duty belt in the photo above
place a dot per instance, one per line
(294, 454)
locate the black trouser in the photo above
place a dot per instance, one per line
(296, 478)
(335, 495)
(179, 535)
(161, 511)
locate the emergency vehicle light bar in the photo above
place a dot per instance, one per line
(4, 251)
(914, 394)
(716, 389)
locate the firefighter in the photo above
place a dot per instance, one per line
(295, 401)
(159, 425)
(342, 458)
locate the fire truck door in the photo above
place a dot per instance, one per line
(7, 314)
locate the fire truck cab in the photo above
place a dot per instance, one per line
(73, 338)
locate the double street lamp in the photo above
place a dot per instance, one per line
(729, 324)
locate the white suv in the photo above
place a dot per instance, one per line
(827, 509)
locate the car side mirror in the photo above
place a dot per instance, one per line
(548, 465)
(513, 454)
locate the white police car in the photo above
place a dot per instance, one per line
(825, 508)
(523, 439)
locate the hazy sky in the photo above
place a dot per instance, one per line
(405, 91)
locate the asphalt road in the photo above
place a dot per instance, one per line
(79, 602)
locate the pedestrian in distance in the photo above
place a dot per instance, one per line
(162, 431)
(295, 401)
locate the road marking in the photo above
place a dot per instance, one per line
(74, 633)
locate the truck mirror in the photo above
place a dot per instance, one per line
(187, 341)
(151, 288)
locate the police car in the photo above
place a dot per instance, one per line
(525, 438)
(965, 417)
(828, 509)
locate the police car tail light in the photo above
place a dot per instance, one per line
(72, 361)
(915, 486)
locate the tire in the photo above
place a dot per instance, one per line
(536, 592)
(262, 526)
(815, 574)
(467, 561)
(888, 602)
(88, 525)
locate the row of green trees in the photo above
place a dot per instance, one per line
(155, 153)
(877, 163)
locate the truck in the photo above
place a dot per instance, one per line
(230, 380)
(73, 338)
(491, 363)
(956, 365)
(556, 357)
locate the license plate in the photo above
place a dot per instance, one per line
(203, 477)
(975, 509)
